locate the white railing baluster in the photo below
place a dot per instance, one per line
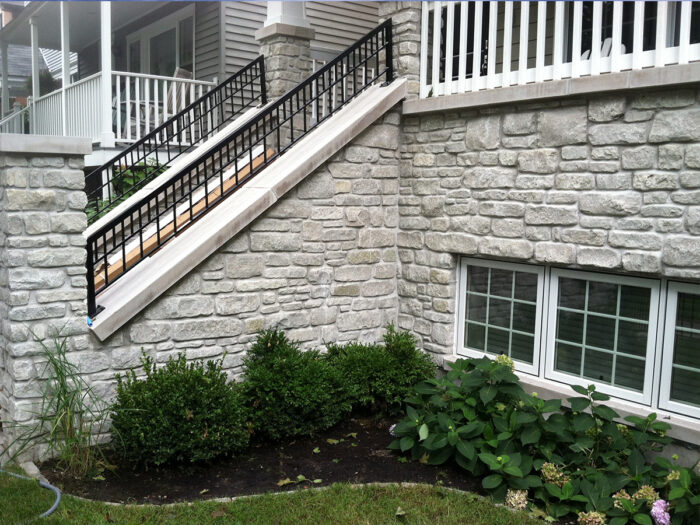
(684, 36)
(492, 44)
(541, 36)
(137, 106)
(523, 44)
(437, 25)
(476, 57)
(128, 108)
(147, 104)
(156, 105)
(463, 32)
(576, 40)
(423, 71)
(637, 45)
(118, 109)
(507, 43)
(661, 32)
(616, 50)
(595, 39)
(558, 40)
(449, 53)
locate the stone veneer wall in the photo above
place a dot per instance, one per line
(42, 264)
(321, 264)
(607, 183)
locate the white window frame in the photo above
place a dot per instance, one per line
(463, 351)
(665, 401)
(644, 397)
(144, 34)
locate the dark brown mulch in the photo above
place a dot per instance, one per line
(360, 456)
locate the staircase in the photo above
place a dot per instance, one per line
(191, 210)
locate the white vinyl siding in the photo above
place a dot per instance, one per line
(339, 24)
(241, 21)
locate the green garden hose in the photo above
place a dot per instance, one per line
(44, 485)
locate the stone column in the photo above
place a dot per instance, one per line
(42, 263)
(285, 41)
(406, 18)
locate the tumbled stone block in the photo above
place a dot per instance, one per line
(682, 125)
(560, 127)
(615, 204)
(483, 133)
(538, 161)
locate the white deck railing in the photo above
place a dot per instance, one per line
(143, 102)
(139, 104)
(473, 46)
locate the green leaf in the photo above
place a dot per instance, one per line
(412, 414)
(332, 441)
(466, 449)
(423, 432)
(487, 393)
(551, 405)
(642, 519)
(676, 493)
(406, 443)
(685, 478)
(425, 388)
(618, 521)
(316, 450)
(513, 471)
(580, 390)
(531, 434)
(492, 481)
(598, 396)
(604, 412)
(579, 404)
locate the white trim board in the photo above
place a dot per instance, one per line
(138, 288)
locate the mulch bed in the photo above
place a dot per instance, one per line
(359, 456)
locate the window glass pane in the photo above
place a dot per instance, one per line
(526, 286)
(499, 320)
(600, 332)
(499, 312)
(629, 373)
(186, 44)
(572, 293)
(476, 308)
(684, 386)
(604, 328)
(475, 337)
(568, 358)
(135, 57)
(162, 53)
(602, 297)
(632, 338)
(598, 366)
(685, 378)
(478, 279)
(633, 301)
(501, 283)
(688, 311)
(570, 327)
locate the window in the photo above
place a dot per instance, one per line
(681, 365)
(164, 45)
(635, 338)
(502, 311)
(602, 330)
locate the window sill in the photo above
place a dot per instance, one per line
(682, 428)
(637, 79)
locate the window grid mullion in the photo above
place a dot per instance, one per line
(617, 328)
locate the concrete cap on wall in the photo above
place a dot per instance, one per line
(44, 144)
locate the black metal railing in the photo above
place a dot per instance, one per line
(148, 224)
(150, 156)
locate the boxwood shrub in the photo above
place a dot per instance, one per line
(179, 413)
(379, 377)
(290, 392)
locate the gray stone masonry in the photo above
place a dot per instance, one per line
(287, 55)
(42, 272)
(608, 183)
(406, 17)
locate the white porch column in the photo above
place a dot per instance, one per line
(5, 79)
(291, 13)
(34, 37)
(107, 135)
(65, 65)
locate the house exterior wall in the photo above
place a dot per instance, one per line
(207, 30)
(606, 183)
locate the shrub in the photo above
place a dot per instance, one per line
(180, 413)
(290, 392)
(569, 460)
(380, 377)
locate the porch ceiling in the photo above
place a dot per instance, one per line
(84, 22)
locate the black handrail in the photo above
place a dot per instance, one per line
(151, 155)
(148, 224)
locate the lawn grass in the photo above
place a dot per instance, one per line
(339, 504)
